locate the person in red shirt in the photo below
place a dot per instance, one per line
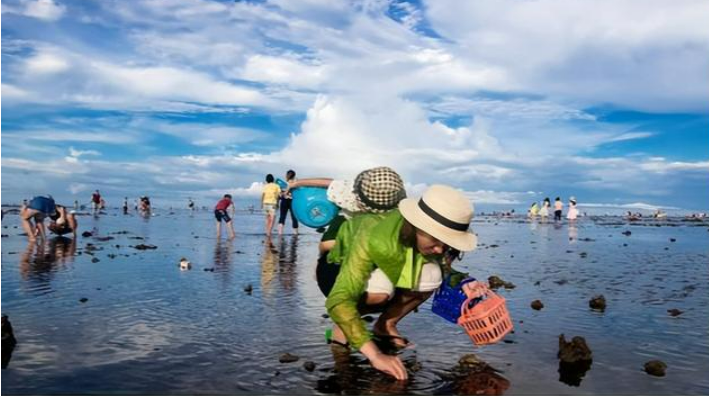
(220, 213)
(96, 201)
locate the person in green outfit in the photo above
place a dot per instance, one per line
(390, 263)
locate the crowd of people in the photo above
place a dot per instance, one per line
(543, 212)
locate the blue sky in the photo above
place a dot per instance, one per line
(510, 101)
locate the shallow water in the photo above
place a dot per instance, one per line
(148, 327)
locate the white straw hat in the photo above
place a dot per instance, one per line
(444, 213)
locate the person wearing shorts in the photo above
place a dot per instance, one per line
(221, 214)
(269, 201)
(33, 214)
(391, 264)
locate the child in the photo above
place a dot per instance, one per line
(269, 201)
(220, 213)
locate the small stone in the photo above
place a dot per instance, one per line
(598, 302)
(667, 248)
(248, 289)
(537, 305)
(95, 260)
(86, 234)
(625, 244)
(673, 240)
(626, 233)
(145, 247)
(83, 299)
(583, 254)
(674, 312)
(310, 366)
(656, 368)
(325, 316)
(288, 358)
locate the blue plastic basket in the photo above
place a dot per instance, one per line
(312, 208)
(282, 184)
(448, 300)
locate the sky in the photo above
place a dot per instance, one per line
(509, 101)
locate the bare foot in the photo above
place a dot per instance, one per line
(391, 333)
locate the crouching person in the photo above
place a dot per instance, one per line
(390, 264)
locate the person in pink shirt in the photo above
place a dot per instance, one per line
(558, 207)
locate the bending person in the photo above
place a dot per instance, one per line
(392, 264)
(62, 221)
(33, 214)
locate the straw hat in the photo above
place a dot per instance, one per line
(444, 213)
(374, 190)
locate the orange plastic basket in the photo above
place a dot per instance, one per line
(486, 320)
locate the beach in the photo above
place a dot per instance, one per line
(98, 315)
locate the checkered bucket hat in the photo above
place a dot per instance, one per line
(379, 189)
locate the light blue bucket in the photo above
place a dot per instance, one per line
(312, 208)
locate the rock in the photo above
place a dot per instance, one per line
(325, 316)
(95, 260)
(674, 312)
(86, 234)
(625, 244)
(574, 351)
(288, 358)
(111, 256)
(145, 247)
(471, 362)
(656, 368)
(211, 269)
(103, 239)
(497, 282)
(537, 283)
(561, 282)
(583, 254)
(248, 289)
(136, 237)
(310, 366)
(8, 341)
(83, 299)
(626, 233)
(673, 240)
(598, 302)
(537, 305)
(493, 246)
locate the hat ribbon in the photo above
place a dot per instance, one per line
(441, 219)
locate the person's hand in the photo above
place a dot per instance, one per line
(391, 365)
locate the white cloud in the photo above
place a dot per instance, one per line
(46, 63)
(286, 71)
(47, 10)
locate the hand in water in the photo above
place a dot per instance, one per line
(391, 365)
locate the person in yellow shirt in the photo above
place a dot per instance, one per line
(269, 201)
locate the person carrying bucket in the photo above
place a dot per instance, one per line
(391, 264)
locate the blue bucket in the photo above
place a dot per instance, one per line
(312, 208)
(448, 300)
(282, 183)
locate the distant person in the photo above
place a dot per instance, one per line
(190, 204)
(96, 201)
(533, 210)
(33, 214)
(286, 202)
(63, 222)
(76, 204)
(544, 211)
(573, 211)
(221, 213)
(125, 205)
(269, 201)
(145, 205)
(558, 207)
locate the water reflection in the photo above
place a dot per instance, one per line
(268, 266)
(485, 382)
(39, 261)
(222, 260)
(287, 256)
(573, 232)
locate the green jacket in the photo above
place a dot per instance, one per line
(364, 243)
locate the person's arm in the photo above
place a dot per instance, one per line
(71, 218)
(312, 182)
(263, 197)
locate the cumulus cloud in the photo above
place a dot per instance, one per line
(47, 10)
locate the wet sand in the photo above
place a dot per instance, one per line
(147, 326)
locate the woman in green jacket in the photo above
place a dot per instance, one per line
(392, 261)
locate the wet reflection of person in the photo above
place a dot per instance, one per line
(287, 256)
(60, 250)
(268, 265)
(8, 341)
(353, 375)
